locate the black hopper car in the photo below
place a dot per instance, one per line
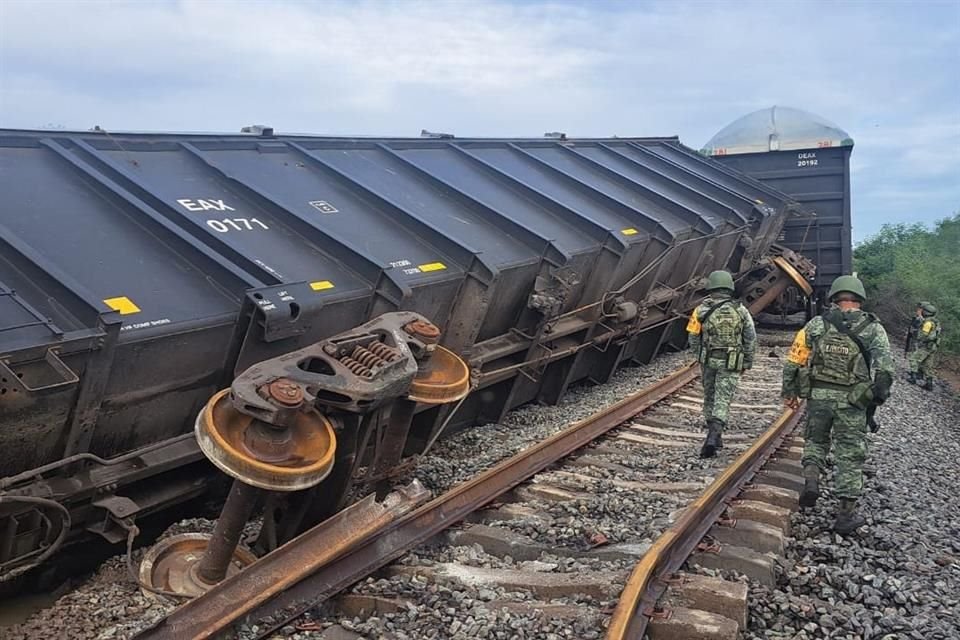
(140, 274)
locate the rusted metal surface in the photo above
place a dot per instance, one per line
(235, 597)
(772, 291)
(451, 507)
(213, 566)
(171, 565)
(285, 392)
(354, 371)
(425, 330)
(296, 455)
(778, 279)
(309, 584)
(296, 448)
(649, 578)
(442, 378)
(773, 276)
(792, 271)
(190, 566)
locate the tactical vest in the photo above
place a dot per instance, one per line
(837, 360)
(724, 328)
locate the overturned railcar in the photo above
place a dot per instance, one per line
(140, 273)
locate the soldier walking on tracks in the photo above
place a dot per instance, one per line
(724, 338)
(915, 323)
(923, 359)
(841, 362)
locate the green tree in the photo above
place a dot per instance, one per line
(903, 264)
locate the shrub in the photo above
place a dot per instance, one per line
(903, 264)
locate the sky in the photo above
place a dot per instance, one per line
(886, 72)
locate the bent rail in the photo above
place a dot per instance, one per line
(647, 581)
(308, 584)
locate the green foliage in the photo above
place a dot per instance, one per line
(903, 264)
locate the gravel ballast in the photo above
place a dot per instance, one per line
(467, 453)
(602, 510)
(899, 576)
(109, 605)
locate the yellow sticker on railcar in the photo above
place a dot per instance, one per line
(321, 285)
(432, 266)
(629, 231)
(123, 304)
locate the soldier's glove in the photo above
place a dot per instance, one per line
(881, 387)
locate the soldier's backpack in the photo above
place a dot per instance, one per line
(723, 326)
(839, 356)
(723, 331)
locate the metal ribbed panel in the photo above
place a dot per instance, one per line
(216, 251)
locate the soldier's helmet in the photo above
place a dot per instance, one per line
(847, 284)
(720, 280)
(929, 309)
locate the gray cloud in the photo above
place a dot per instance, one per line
(885, 72)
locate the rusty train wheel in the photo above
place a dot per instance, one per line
(444, 378)
(289, 459)
(171, 565)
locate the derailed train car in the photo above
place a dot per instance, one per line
(141, 273)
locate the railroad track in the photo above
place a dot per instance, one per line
(612, 505)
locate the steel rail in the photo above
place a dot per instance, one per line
(451, 507)
(648, 580)
(310, 584)
(232, 598)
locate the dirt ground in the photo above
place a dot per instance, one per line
(950, 371)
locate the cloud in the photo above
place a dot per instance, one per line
(356, 55)
(886, 73)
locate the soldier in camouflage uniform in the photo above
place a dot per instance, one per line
(923, 359)
(841, 362)
(724, 339)
(914, 328)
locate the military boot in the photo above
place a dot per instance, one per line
(928, 385)
(712, 442)
(811, 485)
(721, 425)
(848, 520)
(911, 377)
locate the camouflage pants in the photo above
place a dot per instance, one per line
(719, 385)
(923, 361)
(829, 413)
